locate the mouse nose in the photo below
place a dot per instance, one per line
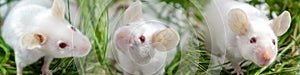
(266, 56)
(87, 46)
(83, 48)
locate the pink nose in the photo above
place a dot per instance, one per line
(86, 48)
(82, 51)
(266, 56)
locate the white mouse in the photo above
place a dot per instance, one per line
(241, 32)
(73, 8)
(142, 46)
(34, 31)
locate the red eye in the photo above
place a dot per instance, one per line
(253, 40)
(62, 45)
(142, 39)
(273, 41)
(73, 28)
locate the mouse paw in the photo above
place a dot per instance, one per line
(238, 71)
(46, 72)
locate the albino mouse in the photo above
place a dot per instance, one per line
(73, 7)
(142, 46)
(34, 31)
(239, 31)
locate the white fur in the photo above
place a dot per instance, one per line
(136, 57)
(74, 9)
(26, 19)
(149, 63)
(230, 34)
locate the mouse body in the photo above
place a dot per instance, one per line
(35, 31)
(239, 31)
(141, 47)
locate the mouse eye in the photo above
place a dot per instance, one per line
(253, 40)
(62, 45)
(73, 28)
(273, 41)
(142, 38)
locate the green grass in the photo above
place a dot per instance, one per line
(191, 57)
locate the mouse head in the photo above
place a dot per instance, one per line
(55, 36)
(257, 39)
(139, 39)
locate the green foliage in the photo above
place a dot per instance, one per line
(95, 24)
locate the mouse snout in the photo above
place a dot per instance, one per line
(265, 57)
(87, 46)
(83, 48)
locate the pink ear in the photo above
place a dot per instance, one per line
(123, 38)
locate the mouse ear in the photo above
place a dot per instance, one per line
(133, 12)
(165, 40)
(238, 21)
(33, 40)
(58, 8)
(282, 23)
(122, 38)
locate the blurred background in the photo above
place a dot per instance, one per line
(100, 18)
